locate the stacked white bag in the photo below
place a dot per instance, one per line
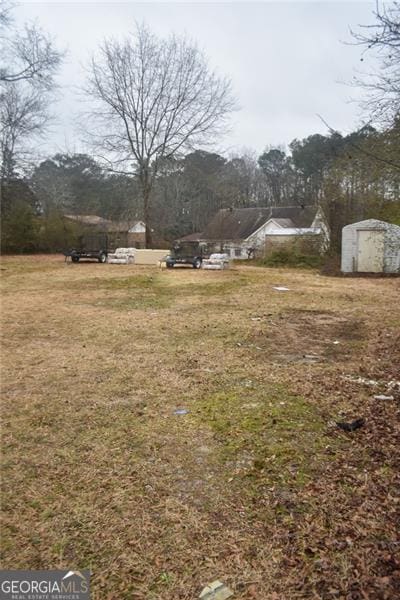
(216, 261)
(122, 256)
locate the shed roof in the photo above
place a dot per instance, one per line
(373, 224)
(240, 223)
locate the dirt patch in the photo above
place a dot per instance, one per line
(307, 336)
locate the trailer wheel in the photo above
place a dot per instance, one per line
(75, 258)
(197, 263)
(103, 257)
(170, 265)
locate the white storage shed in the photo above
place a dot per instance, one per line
(371, 246)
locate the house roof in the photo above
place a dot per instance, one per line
(93, 220)
(192, 237)
(240, 223)
(122, 226)
(105, 224)
(284, 222)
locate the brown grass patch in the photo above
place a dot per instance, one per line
(253, 485)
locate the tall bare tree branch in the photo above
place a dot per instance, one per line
(154, 98)
(28, 55)
(28, 64)
(383, 85)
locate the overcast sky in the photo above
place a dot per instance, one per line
(288, 61)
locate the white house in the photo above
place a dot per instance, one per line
(241, 232)
(137, 227)
(371, 246)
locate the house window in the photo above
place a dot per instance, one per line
(238, 252)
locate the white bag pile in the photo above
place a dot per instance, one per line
(122, 256)
(216, 261)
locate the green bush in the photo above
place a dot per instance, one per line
(56, 233)
(291, 258)
(22, 231)
(19, 229)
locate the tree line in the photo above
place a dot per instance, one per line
(155, 102)
(339, 173)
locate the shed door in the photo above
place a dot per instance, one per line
(370, 251)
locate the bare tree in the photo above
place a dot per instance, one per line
(23, 114)
(5, 10)
(28, 65)
(383, 86)
(27, 55)
(156, 98)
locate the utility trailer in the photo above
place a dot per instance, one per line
(186, 253)
(93, 246)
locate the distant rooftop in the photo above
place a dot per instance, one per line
(105, 224)
(240, 223)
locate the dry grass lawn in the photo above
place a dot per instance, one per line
(255, 485)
